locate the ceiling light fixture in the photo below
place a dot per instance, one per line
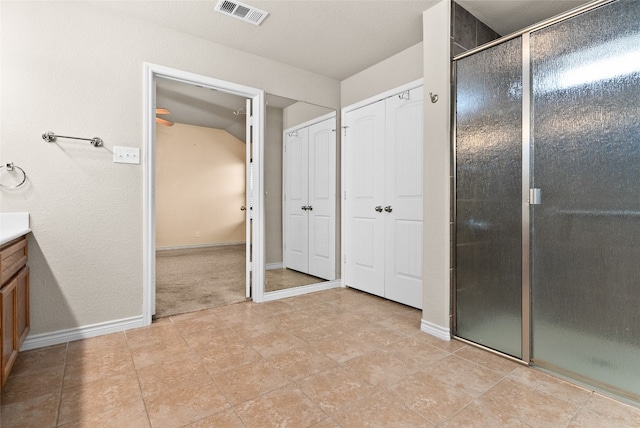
(241, 11)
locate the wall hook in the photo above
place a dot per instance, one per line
(434, 97)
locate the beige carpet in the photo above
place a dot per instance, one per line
(280, 279)
(196, 279)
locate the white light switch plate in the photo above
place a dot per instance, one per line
(126, 155)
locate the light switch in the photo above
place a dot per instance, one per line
(126, 154)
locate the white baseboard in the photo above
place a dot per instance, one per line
(272, 266)
(435, 330)
(297, 291)
(69, 335)
(196, 246)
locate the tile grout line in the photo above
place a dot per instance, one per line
(64, 371)
(211, 377)
(135, 369)
(582, 406)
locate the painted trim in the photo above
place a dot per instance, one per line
(196, 246)
(382, 96)
(77, 333)
(273, 266)
(443, 333)
(297, 291)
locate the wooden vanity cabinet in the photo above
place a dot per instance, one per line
(14, 303)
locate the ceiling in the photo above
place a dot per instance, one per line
(509, 16)
(334, 38)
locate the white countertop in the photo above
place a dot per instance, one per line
(12, 226)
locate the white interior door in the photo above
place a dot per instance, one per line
(296, 194)
(249, 198)
(364, 185)
(322, 199)
(403, 198)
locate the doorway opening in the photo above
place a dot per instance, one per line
(201, 162)
(193, 237)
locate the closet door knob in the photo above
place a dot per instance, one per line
(388, 208)
(309, 207)
(304, 207)
(379, 208)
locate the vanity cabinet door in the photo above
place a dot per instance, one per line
(8, 300)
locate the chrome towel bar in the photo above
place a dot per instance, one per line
(50, 137)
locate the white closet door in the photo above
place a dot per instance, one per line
(364, 184)
(322, 199)
(403, 196)
(296, 251)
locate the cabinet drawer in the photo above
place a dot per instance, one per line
(12, 257)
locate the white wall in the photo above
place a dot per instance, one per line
(437, 136)
(200, 186)
(73, 69)
(394, 71)
(302, 112)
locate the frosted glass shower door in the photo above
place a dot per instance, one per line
(586, 232)
(488, 255)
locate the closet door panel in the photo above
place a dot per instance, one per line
(364, 184)
(322, 199)
(296, 251)
(403, 198)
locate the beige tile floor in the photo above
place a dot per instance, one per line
(336, 358)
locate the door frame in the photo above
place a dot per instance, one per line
(257, 96)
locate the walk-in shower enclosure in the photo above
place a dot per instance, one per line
(547, 196)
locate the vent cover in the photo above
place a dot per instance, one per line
(241, 11)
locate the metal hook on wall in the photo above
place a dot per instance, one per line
(434, 97)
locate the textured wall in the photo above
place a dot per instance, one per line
(395, 71)
(200, 186)
(73, 69)
(437, 136)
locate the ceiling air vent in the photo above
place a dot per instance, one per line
(241, 11)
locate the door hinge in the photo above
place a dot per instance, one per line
(535, 196)
(344, 130)
(345, 195)
(344, 258)
(250, 119)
